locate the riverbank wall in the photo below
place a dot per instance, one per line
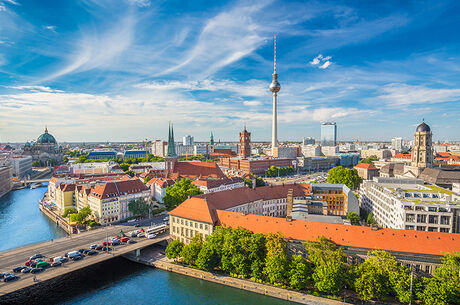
(275, 292)
(57, 219)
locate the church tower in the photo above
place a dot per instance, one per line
(211, 144)
(245, 144)
(171, 157)
(422, 151)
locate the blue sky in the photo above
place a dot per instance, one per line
(97, 70)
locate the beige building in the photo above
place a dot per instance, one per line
(6, 179)
(367, 171)
(379, 153)
(422, 151)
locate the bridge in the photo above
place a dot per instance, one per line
(17, 257)
(36, 180)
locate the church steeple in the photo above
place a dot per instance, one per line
(171, 146)
(211, 141)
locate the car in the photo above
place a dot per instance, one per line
(85, 251)
(18, 269)
(81, 250)
(51, 259)
(133, 234)
(92, 247)
(115, 242)
(43, 264)
(117, 236)
(131, 241)
(77, 257)
(28, 262)
(2, 274)
(60, 259)
(10, 277)
(99, 248)
(166, 219)
(73, 254)
(106, 249)
(37, 270)
(151, 236)
(26, 270)
(92, 252)
(104, 243)
(38, 255)
(124, 239)
(137, 225)
(140, 235)
(56, 264)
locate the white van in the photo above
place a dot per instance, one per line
(73, 254)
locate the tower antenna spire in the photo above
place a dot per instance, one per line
(274, 61)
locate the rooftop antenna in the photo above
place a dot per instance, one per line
(274, 62)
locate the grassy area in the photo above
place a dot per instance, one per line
(439, 189)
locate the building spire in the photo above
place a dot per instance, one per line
(171, 146)
(211, 141)
(274, 59)
(46, 129)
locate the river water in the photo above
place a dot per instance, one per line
(117, 281)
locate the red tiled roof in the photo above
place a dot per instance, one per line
(366, 166)
(430, 243)
(203, 207)
(67, 187)
(114, 189)
(212, 183)
(402, 156)
(188, 169)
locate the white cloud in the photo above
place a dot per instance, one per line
(2, 8)
(35, 88)
(404, 95)
(249, 88)
(325, 65)
(140, 3)
(252, 103)
(52, 28)
(11, 2)
(320, 58)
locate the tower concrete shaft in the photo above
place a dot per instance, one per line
(275, 88)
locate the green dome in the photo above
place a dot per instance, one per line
(46, 138)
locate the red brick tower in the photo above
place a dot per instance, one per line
(245, 144)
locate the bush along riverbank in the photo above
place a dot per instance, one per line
(264, 259)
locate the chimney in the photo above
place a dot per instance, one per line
(288, 218)
(290, 202)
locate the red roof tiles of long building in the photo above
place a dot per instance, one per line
(198, 169)
(114, 189)
(409, 241)
(402, 156)
(203, 207)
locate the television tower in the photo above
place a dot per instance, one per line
(274, 87)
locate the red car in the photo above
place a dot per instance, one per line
(117, 236)
(124, 239)
(104, 243)
(51, 259)
(28, 262)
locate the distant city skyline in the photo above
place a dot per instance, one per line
(376, 70)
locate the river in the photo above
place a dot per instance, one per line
(115, 282)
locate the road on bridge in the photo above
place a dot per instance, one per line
(17, 257)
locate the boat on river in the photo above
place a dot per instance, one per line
(35, 185)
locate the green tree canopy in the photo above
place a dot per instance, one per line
(369, 160)
(353, 218)
(329, 270)
(190, 252)
(276, 262)
(299, 273)
(68, 211)
(178, 193)
(174, 249)
(139, 207)
(370, 219)
(347, 176)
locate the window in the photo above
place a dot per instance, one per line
(433, 219)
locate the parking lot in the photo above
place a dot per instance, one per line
(319, 177)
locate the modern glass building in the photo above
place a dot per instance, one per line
(328, 134)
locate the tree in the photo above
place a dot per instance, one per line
(248, 182)
(257, 254)
(369, 160)
(276, 262)
(139, 207)
(124, 166)
(373, 281)
(299, 273)
(400, 283)
(260, 181)
(208, 257)
(178, 193)
(147, 179)
(190, 252)
(353, 218)
(130, 173)
(68, 210)
(38, 163)
(328, 273)
(444, 287)
(347, 176)
(174, 249)
(370, 219)
(81, 216)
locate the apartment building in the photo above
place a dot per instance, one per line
(411, 204)
(21, 165)
(6, 179)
